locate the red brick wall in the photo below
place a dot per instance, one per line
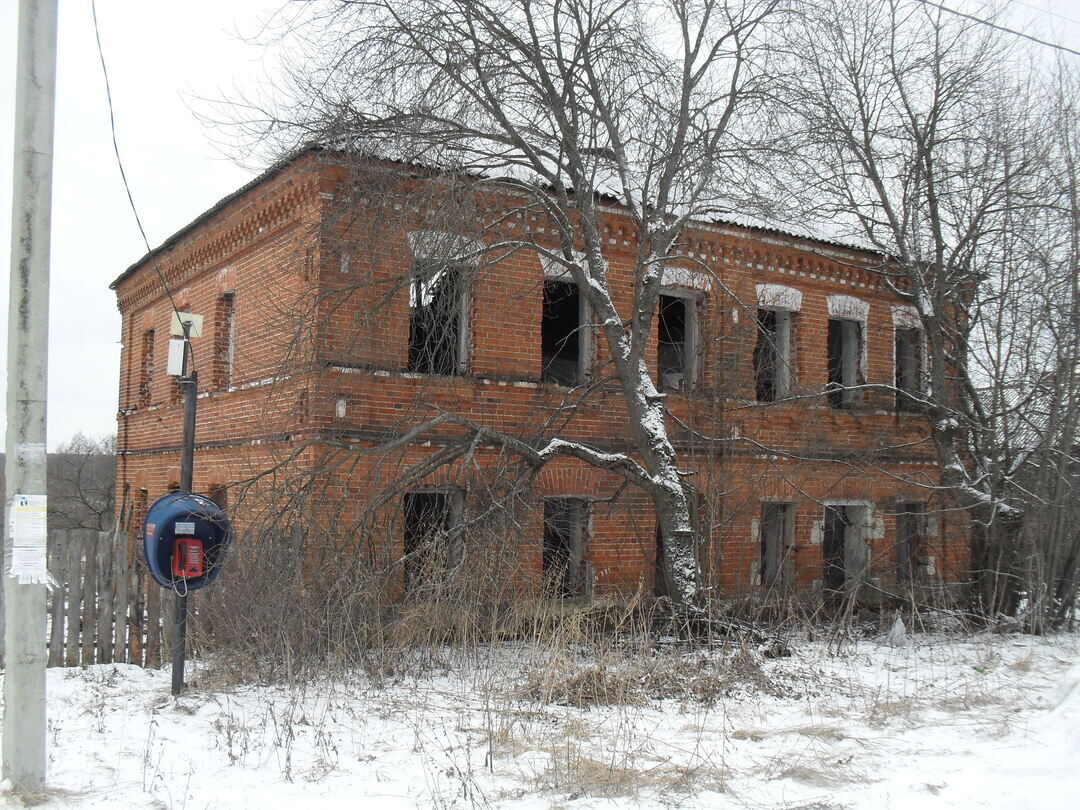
(318, 324)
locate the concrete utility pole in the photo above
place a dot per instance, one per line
(25, 573)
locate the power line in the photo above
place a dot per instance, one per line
(1047, 11)
(1006, 29)
(123, 174)
(188, 377)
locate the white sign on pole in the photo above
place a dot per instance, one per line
(28, 529)
(176, 327)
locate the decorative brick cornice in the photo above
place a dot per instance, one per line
(262, 213)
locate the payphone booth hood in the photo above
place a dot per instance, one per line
(206, 522)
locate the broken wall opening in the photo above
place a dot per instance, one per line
(146, 371)
(844, 361)
(431, 545)
(776, 534)
(437, 320)
(844, 549)
(772, 354)
(910, 533)
(224, 340)
(562, 349)
(565, 539)
(676, 323)
(909, 363)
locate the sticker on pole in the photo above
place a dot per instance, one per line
(28, 529)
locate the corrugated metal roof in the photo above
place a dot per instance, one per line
(746, 222)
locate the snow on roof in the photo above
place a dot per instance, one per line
(832, 234)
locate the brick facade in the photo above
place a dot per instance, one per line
(302, 278)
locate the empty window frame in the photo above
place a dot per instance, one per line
(776, 532)
(564, 334)
(676, 331)
(838, 524)
(146, 368)
(566, 522)
(432, 541)
(844, 360)
(773, 354)
(910, 531)
(909, 367)
(224, 340)
(438, 319)
(844, 548)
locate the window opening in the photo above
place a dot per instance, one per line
(910, 530)
(562, 333)
(146, 374)
(224, 340)
(772, 354)
(675, 349)
(775, 531)
(909, 350)
(565, 524)
(845, 552)
(436, 320)
(431, 549)
(845, 348)
(833, 545)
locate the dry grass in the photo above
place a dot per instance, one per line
(564, 700)
(576, 769)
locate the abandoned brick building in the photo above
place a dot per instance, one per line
(333, 328)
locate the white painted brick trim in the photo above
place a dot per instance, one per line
(778, 296)
(848, 307)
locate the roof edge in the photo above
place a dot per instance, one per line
(293, 157)
(275, 169)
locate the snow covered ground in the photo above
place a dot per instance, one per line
(965, 722)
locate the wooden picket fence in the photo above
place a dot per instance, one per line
(105, 608)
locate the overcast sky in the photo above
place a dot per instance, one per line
(159, 55)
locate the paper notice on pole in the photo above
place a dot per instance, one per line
(28, 528)
(30, 452)
(28, 566)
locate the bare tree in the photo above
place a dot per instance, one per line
(556, 105)
(1039, 428)
(930, 139)
(81, 483)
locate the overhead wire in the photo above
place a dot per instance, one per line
(123, 176)
(1043, 10)
(138, 220)
(999, 27)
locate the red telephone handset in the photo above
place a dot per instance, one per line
(187, 558)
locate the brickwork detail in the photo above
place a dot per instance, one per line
(304, 286)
